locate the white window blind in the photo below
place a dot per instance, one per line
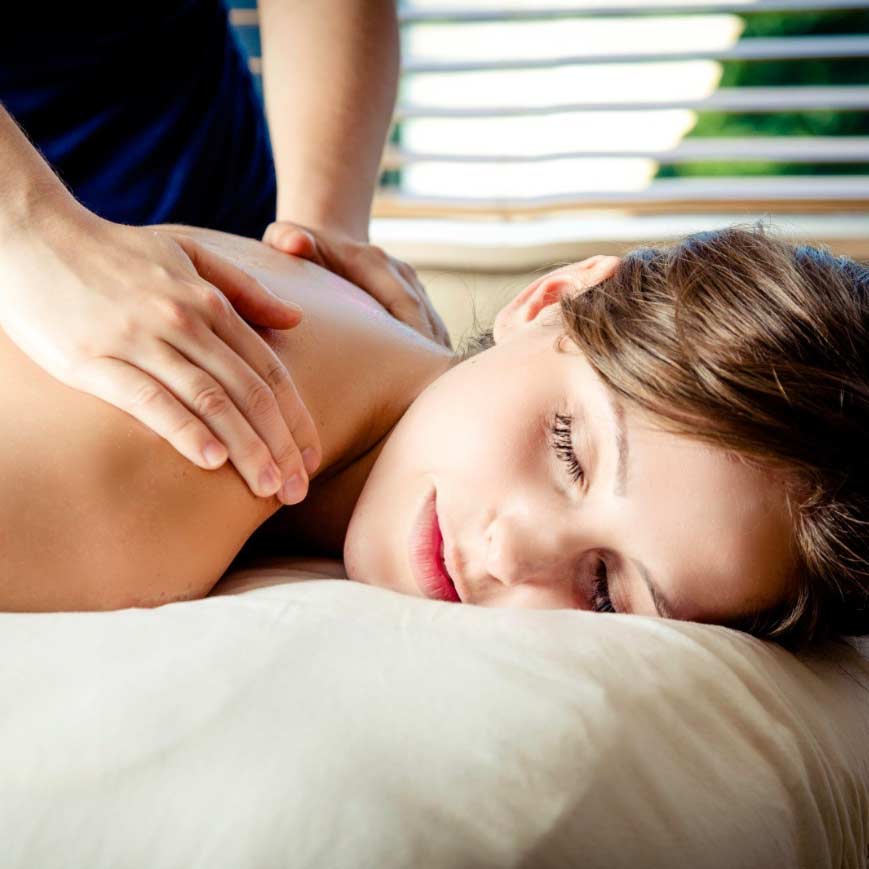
(511, 110)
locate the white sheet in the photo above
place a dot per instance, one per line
(329, 724)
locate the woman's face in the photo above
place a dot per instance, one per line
(548, 493)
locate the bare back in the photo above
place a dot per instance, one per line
(97, 512)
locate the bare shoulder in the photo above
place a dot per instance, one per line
(98, 512)
(355, 366)
(287, 276)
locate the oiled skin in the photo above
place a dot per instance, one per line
(97, 512)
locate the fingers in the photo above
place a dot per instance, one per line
(244, 292)
(396, 286)
(146, 399)
(438, 328)
(211, 403)
(403, 301)
(260, 415)
(268, 402)
(393, 283)
(290, 433)
(414, 307)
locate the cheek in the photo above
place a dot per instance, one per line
(478, 434)
(482, 428)
(479, 426)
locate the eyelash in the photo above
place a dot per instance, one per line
(561, 430)
(601, 602)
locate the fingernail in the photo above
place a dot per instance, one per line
(269, 480)
(293, 490)
(309, 457)
(214, 454)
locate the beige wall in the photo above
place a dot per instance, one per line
(457, 295)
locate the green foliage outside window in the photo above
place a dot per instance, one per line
(787, 73)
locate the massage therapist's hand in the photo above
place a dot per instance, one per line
(392, 282)
(152, 323)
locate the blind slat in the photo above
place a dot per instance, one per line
(709, 194)
(756, 48)
(792, 150)
(749, 99)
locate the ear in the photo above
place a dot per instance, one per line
(528, 306)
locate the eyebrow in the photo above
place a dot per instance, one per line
(622, 447)
(662, 606)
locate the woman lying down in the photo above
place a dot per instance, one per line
(680, 433)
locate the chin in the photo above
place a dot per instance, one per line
(360, 562)
(364, 560)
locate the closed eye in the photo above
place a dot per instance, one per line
(601, 602)
(561, 436)
(561, 439)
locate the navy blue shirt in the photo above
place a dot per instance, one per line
(147, 111)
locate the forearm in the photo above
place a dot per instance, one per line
(26, 180)
(330, 72)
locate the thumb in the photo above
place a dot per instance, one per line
(291, 239)
(245, 293)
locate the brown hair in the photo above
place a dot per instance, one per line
(761, 348)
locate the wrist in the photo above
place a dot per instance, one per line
(324, 219)
(35, 207)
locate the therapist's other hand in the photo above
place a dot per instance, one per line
(151, 322)
(392, 282)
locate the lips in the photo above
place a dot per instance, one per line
(426, 562)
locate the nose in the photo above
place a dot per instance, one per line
(535, 549)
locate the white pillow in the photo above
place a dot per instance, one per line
(332, 724)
